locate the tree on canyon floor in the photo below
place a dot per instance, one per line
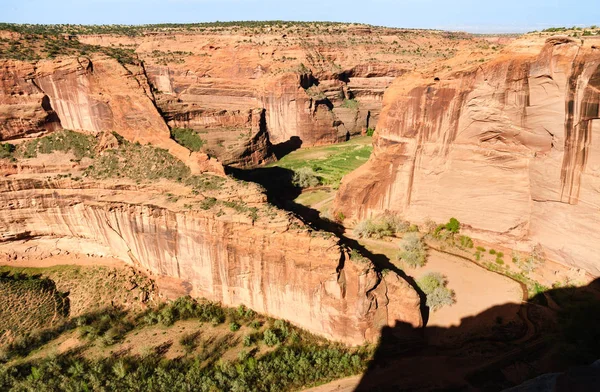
(412, 251)
(438, 295)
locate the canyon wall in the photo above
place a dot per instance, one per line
(507, 147)
(264, 264)
(95, 95)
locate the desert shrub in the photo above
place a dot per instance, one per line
(383, 226)
(233, 326)
(188, 138)
(480, 249)
(142, 163)
(304, 177)
(438, 295)
(412, 250)
(466, 241)
(370, 131)
(189, 341)
(6, 151)
(270, 337)
(357, 258)
(80, 144)
(492, 251)
(350, 104)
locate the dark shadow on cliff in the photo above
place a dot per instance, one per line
(281, 192)
(282, 149)
(499, 348)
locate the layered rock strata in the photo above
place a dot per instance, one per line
(506, 147)
(264, 263)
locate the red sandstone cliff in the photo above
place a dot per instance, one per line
(271, 264)
(507, 147)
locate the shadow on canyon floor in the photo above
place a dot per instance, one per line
(281, 192)
(497, 349)
(558, 331)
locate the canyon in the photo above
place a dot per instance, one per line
(507, 147)
(494, 131)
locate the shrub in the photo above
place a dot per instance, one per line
(480, 249)
(350, 104)
(370, 131)
(466, 241)
(80, 144)
(189, 341)
(382, 226)
(233, 326)
(453, 226)
(6, 150)
(412, 250)
(492, 251)
(270, 338)
(304, 177)
(438, 295)
(188, 138)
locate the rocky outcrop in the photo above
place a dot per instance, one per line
(24, 108)
(95, 95)
(314, 84)
(263, 263)
(506, 147)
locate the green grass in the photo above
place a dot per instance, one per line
(332, 162)
(188, 138)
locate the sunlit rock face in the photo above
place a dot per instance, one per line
(507, 147)
(272, 265)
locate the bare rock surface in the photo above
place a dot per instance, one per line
(507, 147)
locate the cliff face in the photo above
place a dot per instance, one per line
(243, 89)
(506, 147)
(94, 94)
(265, 264)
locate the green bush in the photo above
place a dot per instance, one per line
(370, 131)
(383, 226)
(304, 177)
(350, 104)
(233, 326)
(6, 151)
(270, 337)
(188, 138)
(189, 341)
(492, 251)
(412, 250)
(438, 295)
(80, 144)
(466, 241)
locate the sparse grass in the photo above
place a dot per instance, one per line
(29, 302)
(80, 144)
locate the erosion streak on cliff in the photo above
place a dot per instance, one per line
(506, 147)
(287, 273)
(581, 107)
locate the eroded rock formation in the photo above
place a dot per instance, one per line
(507, 147)
(265, 264)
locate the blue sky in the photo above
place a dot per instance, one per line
(467, 15)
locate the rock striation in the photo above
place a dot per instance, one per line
(507, 147)
(271, 264)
